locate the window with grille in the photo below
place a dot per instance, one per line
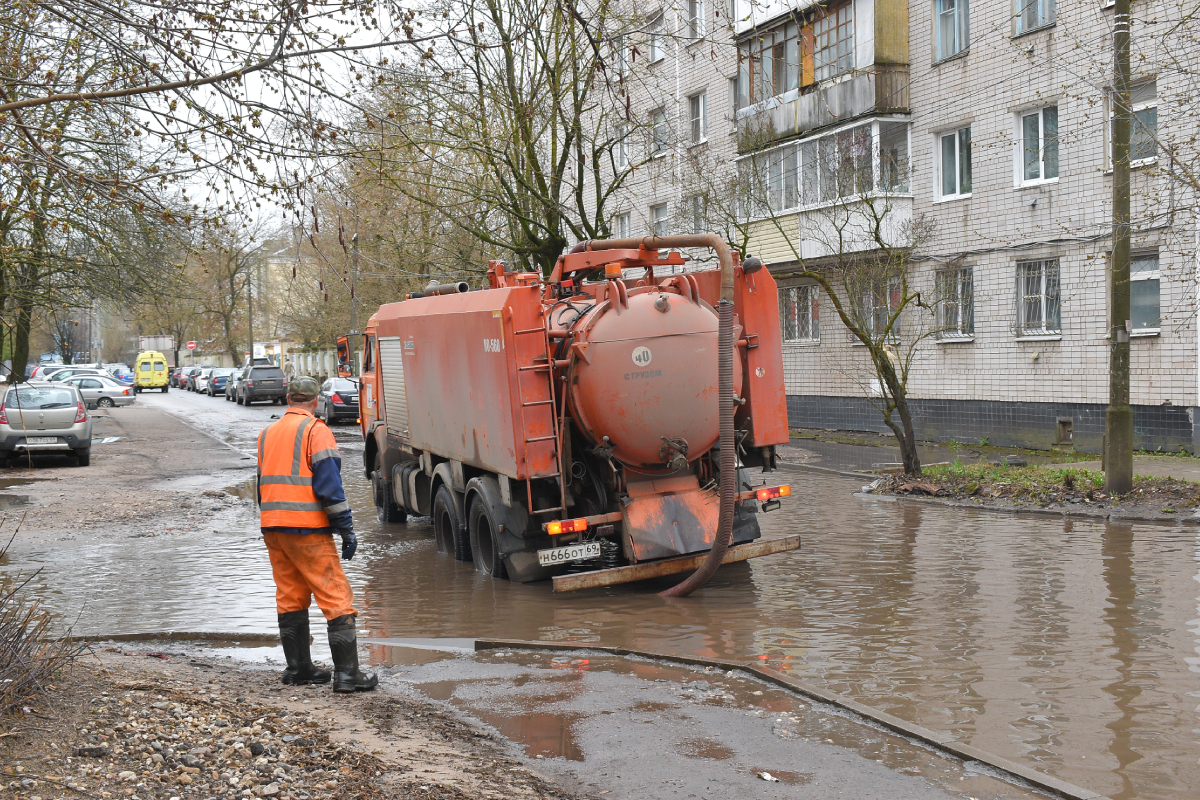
(878, 300)
(799, 314)
(833, 35)
(1039, 298)
(697, 213)
(956, 302)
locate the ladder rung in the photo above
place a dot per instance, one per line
(541, 439)
(533, 366)
(537, 403)
(549, 510)
(529, 330)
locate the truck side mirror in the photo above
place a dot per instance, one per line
(345, 369)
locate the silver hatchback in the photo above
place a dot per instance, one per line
(45, 418)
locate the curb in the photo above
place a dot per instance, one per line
(942, 742)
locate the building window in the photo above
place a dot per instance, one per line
(624, 229)
(878, 301)
(833, 35)
(657, 51)
(1034, 14)
(1039, 299)
(1039, 145)
(695, 18)
(799, 314)
(956, 302)
(953, 30)
(1144, 307)
(955, 163)
(827, 168)
(620, 56)
(768, 65)
(1143, 131)
(658, 132)
(621, 146)
(659, 220)
(698, 115)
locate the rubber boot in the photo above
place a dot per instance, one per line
(343, 643)
(293, 635)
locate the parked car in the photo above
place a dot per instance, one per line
(262, 383)
(43, 371)
(192, 373)
(45, 417)
(232, 384)
(120, 372)
(71, 372)
(217, 380)
(173, 377)
(338, 400)
(201, 382)
(104, 392)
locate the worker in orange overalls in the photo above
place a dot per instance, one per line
(301, 504)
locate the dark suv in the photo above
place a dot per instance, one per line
(262, 383)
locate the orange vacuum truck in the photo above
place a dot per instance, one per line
(572, 427)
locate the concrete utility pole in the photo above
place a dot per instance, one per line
(1118, 417)
(353, 307)
(250, 310)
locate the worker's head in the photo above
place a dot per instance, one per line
(302, 393)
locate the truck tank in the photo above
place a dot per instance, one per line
(645, 382)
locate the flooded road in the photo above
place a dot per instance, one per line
(1070, 646)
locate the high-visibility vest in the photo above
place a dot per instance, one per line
(287, 450)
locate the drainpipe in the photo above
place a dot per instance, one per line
(728, 462)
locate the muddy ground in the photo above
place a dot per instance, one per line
(164, 726)
(156, 476)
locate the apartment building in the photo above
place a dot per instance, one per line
(986, 123)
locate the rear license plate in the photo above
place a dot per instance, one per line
(41, 440)
(574, 552)
(268, 383)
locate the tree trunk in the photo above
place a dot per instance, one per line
(20, 354)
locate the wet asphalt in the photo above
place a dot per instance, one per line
(1069, 646)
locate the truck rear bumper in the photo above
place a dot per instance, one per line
(670, 566)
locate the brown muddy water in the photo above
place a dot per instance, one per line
(1069, 646)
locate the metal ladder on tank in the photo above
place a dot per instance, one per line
(554, 428)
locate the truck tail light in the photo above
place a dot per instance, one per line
(773, 492)
(566, 526)
(80, 413)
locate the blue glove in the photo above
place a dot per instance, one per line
(349, 544)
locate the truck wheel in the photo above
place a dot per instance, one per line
(485, 539)
(445, 526)
(386, 509)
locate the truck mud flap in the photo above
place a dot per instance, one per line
(670, 566)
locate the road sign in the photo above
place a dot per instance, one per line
(191, 345)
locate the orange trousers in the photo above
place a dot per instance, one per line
(305, 566)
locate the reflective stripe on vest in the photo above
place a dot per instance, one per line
(285, 475)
